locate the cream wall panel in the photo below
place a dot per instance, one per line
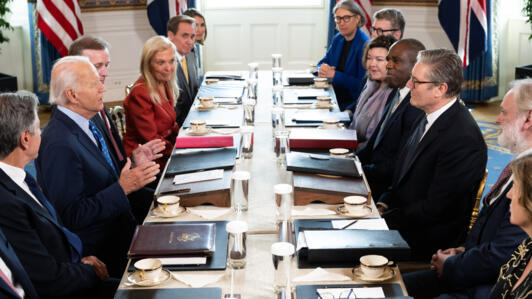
(515, 49)
(228, 51)
(126, 31)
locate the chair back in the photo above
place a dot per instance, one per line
(476, 207)
(118, 116)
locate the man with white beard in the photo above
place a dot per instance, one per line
(471, 270)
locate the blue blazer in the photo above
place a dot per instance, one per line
(41, 244)
(489, 245)
(352, 78)
(19, 274)
(84, 189)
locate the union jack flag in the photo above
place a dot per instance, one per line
(160, 11)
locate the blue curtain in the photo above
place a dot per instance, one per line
(191, 3)
(43, 56)
(480, 84)
(332, 25)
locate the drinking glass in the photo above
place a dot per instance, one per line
(276, 60)
(282, 146)
(246, 141)
(283, 202)
(249, 110)
(237, 231)
(277, 95)
(277, 74)
(240, 191)
(278, 119)
(253, 70)
(282, 253)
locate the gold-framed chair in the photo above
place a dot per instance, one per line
(478, 199)
(128, 88)
(118, 117)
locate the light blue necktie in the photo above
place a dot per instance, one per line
(101, 144)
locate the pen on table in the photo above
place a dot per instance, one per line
(349, 224)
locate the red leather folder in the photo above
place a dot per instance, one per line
(204, 141)
(320, 138)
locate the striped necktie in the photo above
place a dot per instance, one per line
(101, 144)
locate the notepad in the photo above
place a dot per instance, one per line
(200, 176)
(370, 292)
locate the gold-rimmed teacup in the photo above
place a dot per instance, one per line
(373, 266)
(168, 204)
(149, 269)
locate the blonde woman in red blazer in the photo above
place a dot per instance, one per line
(150, 105)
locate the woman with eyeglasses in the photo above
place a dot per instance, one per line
(515, 278)
(343, 60)
(372, 100)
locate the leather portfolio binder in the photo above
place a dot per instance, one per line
(318, 138)
(214, 192)
(390, 290)
(179, 293)
(336, 246)
(163, 240)
(203, 141)
(217, 261)
(313, 118)
(321, 164)
(202, 159)
(309, 188)
(300, 79)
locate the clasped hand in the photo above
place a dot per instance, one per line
(438, 259)
(326, 71)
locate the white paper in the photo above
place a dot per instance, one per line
(224, 100)
(208, 212)
(371, 224)
(320, 274)
(371, 292)
(201, 176)
(197, 279)
(183, 260)
(311, 211)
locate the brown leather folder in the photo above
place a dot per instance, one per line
(310, 188)
(215, 192)
(191, 239)
(319, 138)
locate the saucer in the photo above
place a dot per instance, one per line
(200, 107)
(316, 106)
(158, 213)
(134, 278)
(388, 273)
(326, 86)
(364, 213)
(189, 132)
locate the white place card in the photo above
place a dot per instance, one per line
(372, 292)
(200, 176)
(372, 224)
(170, 261)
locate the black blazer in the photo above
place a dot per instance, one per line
(19, 274)
(40, 244)
(187, 91)
(431, 199)
(379, 160)
(489, 245)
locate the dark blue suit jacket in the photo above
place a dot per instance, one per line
(187, 91)
(78, 181)
(378, 160)
(41, 244)
(19, 274)
(489, 245)
(352, 78)
(430, 200)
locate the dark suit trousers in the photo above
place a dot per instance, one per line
(426, 284)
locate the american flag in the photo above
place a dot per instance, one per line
(465, 23)
(366, 6)
(59, 21)
(160, 11)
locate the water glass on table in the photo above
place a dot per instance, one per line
(284, 201)
(278, 117)
(282, 146)
(278, 95)
(277, 76)
(276, 60)
(246, 142)
(240, 191)
(249, 110)
(282, 254)
(252, 88)
(237, 231)
(253, 70)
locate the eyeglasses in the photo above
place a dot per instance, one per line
(345, 19)
(380, 31)
(416, 81)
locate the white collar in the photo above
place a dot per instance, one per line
(433, 116)
(403, 92)
(15, 173)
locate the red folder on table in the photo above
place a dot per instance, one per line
(320, 138)
(204, 141)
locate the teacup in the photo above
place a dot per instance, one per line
(320, 82)
(198, 126)
(168, 204)
(373, 265)
(355, 204)
(211, 81)
(331, 123)
(149, 269)
(206, 102)
(339, 152)
(323, 101)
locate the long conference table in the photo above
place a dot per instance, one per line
(256, 279)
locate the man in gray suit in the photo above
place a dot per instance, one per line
(182, 32)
